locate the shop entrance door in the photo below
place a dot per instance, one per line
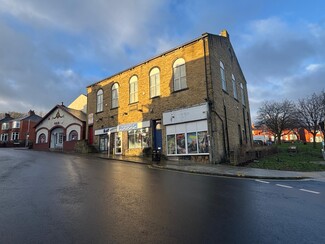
(118, 143)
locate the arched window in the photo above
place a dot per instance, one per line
(99, 101)
(41, 138)
(242, 93)
(115, 95)
(179, 74)
(134, 89)
(234, 87)
(223, 76)
(154, 82)
(73, 135)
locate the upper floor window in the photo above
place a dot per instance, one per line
(16, 124)
(154, 82)
(99, 101)
(179, 74)
(134, 89)
(242, 93)
(234, 87)
(5, 126)
(223, 76)
(115, 95)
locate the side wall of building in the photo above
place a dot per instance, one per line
(230, 116)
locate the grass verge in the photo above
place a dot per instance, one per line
(306, 158)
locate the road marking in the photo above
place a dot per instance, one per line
(262, 181)
(285, 186)
(315, 192)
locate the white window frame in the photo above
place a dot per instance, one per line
(4, 137)
(5, 126)
(154, 82)
(114, 95)
(100, 100)
(14, 136)
(179, 74)
(133, 84)
(223, 76)
(16, 124)
(234, 87)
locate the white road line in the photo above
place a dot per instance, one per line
(315, 192)
(285, 186)
(262, 181)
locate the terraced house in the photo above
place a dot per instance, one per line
(190, 101)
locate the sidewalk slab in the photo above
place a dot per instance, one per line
(218, 169)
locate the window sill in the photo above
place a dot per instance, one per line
(180, 90)
(155, 97)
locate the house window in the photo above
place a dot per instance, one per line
(5, 126)
(234, 87)
(4, 137)
(42, 138)
(134, 89)
(154, 82)
(115, 95)
(99, 101)
(16, 124)
(223, 76)
(242, 93)
(139, 138)
(14, 136)
(73, 136)
(179, 74)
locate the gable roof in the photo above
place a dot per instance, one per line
(79, 115)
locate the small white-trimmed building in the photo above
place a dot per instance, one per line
(60, 129)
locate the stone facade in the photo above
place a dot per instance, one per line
(200, 110)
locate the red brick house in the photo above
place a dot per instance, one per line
(19, 131)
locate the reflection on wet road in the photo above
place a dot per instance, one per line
(59, 198)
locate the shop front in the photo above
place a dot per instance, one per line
(187, 132)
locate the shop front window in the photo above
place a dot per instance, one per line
(171, 144)
(180, 139)
(192, 143)
(203, 142)
(139, 138)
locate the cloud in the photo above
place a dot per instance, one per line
(278, 60)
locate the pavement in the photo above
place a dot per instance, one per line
(218, 169)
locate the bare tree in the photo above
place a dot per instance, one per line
(311, 111)
(278, 117)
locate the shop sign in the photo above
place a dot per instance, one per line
(185, 115)
(133, 126)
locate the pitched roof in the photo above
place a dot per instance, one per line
(73, 112)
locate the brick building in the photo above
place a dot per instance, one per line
(19, 131)
(190, 101)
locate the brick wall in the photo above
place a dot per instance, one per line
(203, 82)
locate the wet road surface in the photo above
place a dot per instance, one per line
(58, 198)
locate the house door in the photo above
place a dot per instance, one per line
(57, 138)
(157, 135)
(118, 143)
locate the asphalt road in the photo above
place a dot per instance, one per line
(58, 198)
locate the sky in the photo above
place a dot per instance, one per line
(50, 51)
